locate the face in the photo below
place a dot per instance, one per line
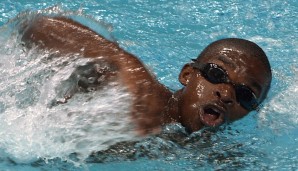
(204, 103)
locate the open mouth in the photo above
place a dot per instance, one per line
(212, 116)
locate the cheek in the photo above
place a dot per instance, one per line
(237, 113)
(199, 90)
(193, 94)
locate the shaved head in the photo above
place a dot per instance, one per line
(247, 49)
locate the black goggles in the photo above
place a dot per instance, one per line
(216, 75)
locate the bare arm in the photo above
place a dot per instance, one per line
(69, 37)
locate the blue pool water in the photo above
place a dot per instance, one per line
(165, 35)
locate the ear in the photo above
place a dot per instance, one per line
(185, 74)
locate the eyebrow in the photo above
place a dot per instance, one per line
(227, 61)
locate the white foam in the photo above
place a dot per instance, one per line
(271, 41)
(31, 128)
(281, 110)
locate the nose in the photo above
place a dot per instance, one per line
(226, 94)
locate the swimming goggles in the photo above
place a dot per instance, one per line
(216, 75)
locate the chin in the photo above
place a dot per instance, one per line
(190, 128)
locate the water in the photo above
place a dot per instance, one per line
(165, 35)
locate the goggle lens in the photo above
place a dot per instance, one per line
(244, 95)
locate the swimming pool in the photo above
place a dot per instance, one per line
(166, 34)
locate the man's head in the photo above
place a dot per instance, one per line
(230, 78)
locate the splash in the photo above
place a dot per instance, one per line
(281, 110)
(33, 126)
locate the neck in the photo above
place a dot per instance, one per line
(171, 113)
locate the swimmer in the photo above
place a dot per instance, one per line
(230, 77)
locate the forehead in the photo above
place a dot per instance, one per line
(233, 58)
(241, 67)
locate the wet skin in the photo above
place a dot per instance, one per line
(199, 103)
(206, 104)
(65, 37)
